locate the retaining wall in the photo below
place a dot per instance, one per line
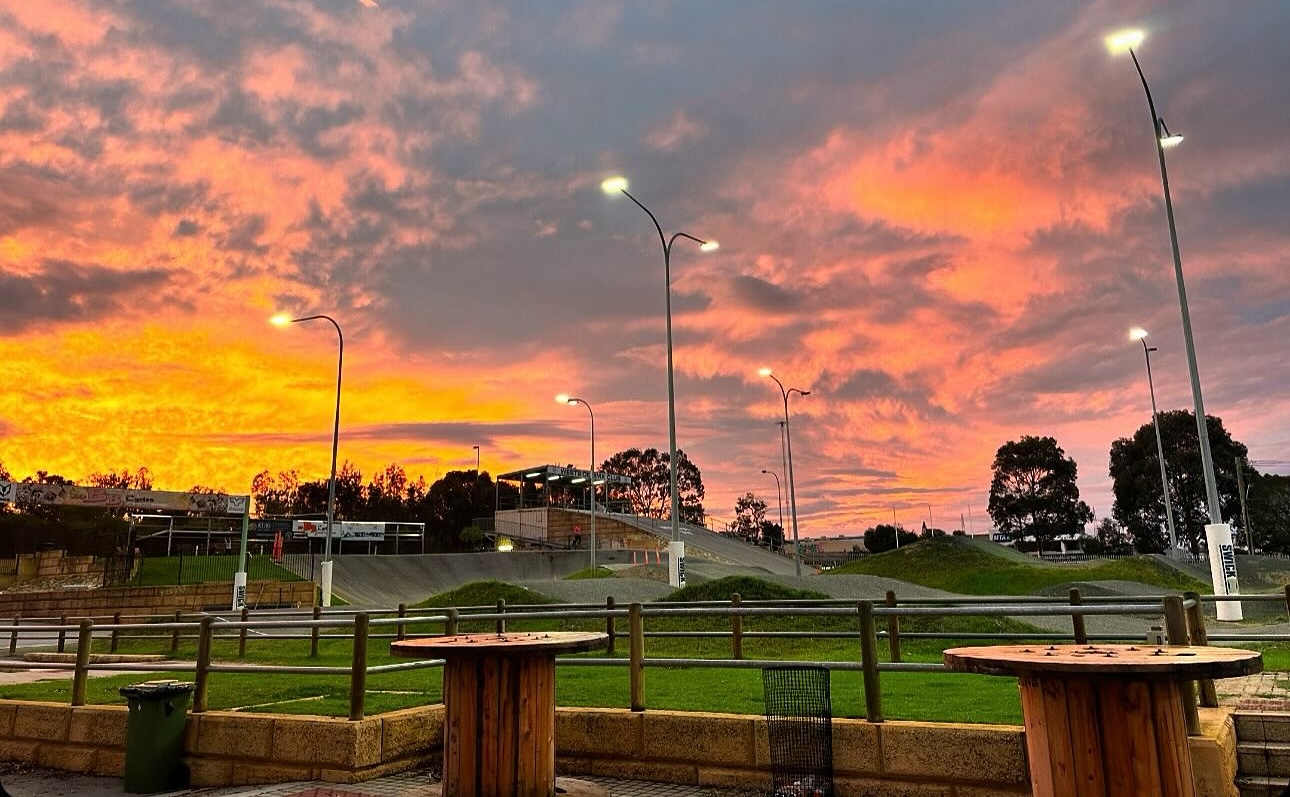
(134, 601)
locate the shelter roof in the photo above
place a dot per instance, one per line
(558, 474)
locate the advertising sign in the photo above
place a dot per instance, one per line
(349, 530)
(268, 529)
(118, 498)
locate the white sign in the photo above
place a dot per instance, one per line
(357, 530)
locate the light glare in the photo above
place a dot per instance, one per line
(709, 246)
(280, 320)
(1172, 140)
(1137, 333)
(1124, 40)
(763, 372)
(614, 185)
(562, 398)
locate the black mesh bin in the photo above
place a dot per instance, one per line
(800, 720)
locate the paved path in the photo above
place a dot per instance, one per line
(1266, 691)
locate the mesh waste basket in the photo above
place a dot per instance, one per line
(800, 729)
(154, 736)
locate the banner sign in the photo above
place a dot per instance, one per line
(268, 529)
(362, 531)
(117, 498)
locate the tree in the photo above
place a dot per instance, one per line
(649, 494)
(1112, 538)
(1033, 491)
(1269, 507)
(6, 505)
(141, 479)
(750, 512)
(773, 534)
(882, 537)
(1139, 496)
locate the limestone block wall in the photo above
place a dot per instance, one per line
(134, 601)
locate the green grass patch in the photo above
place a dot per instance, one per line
(958, 566)
(162, 571)
(484, 593)
(749, 588)
(587, 572)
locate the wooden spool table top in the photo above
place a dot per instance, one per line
(1141, 661)
(538, 643)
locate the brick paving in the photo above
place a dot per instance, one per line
(1265, 691)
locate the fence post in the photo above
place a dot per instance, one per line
(203, 665)
(62, 634)
(1288, 599)
(313, 634)
(179, 574)
(636, 666)
(1176, 630)
(241, 636)
(869, 662)
(609, 625)
(893, 628)
(358, 675)
(116, 632)
(736, 628)
(13, 635)
(400, 630)
(174, 633)
(84, 640)
(501, 609)
(1077, 620)
(450, 623)
(1200, 637)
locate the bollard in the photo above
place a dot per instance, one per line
(869, 663)
(116, 632)
(1199, 636)
(174, 633)
(241, 636)
(501, 622)
(13, 636)
(609, 625)
(313, 634)
(358, 673)
(62, 634)
(1077, 620)
(893, 628)
(84, 640)
(203, 665)
(636, 664)
(400, 631)
(736, 629)
(450, 623)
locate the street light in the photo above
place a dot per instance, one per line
(565, 398)
(281, 320)
(788, 441)
(676, 550)
(780, 496)
(1138, 333)
(1218, 535)
(476, 462)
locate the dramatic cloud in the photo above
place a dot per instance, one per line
(942, 227)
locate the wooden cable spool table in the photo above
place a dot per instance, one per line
(499, 693)
(1106, 720)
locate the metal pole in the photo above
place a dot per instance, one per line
(788, 447)
(779, 496)
(1245, 515)
(1160, 452)
(476, 462)
(1202, 430)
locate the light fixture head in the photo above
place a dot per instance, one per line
(1137, 333)
(763, 371)
(280, 320)
(709, 246)
(614, 185)
(1124, 40)
(1171, 140)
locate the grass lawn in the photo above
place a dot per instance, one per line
(163, 571)
(956, 565)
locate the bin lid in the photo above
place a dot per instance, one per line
(157, 689)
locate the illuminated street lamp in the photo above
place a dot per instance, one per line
(565, 398)
(788, 439)
(676, 550)
(779, 494)
(1218, 535)
(1138, 333)
(281, 320)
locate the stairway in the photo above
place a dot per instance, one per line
(1263, 753)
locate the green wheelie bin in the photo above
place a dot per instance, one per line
(154, 736)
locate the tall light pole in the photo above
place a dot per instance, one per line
(476, 462)
(564, 398)
(788, 442)
(1218, 535)
(1138, 333)
(282, 320)
(676, 550)
(779, 494)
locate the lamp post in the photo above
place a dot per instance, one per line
(476, 461)
(779, 495)
(676, 549)
(567, 399)
(282, 320)
(1141, 334)
(1218, 535)
(788, 442)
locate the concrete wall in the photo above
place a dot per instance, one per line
(891, 759)
(134, 601)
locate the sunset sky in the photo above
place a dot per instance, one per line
(941, 218)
